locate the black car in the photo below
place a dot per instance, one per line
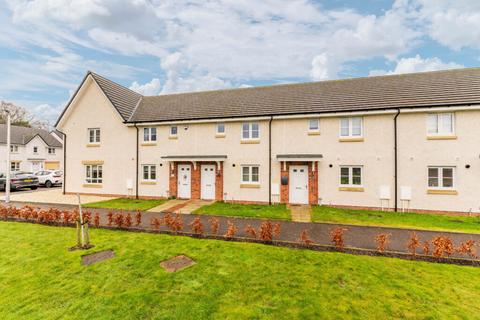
(19, 180)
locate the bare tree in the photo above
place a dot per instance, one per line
(20, 116)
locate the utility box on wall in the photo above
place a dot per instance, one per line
(284, 181)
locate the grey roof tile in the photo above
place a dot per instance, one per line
(22, 135)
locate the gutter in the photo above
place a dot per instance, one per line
(395, 148)
(136, 162)
(270, 160)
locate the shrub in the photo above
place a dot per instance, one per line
(67, 217)
(55, 213)
(87, 216)
(96, 220)
(304, 238)
(173, 223)
(110, 218)
(467, 248)
(336, 237)
(155, 222)
(382, 240)
(138, 218)
(442, 246)
(276, 229)
(231, 230)
(119, 220)
(169, 220)
(197, 226)
(413, 243)
(266, 231)
(3, 212)
(26, 212)
(214, 224)
(426, 248)
(128, 220)
(249, 230)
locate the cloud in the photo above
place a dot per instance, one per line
(418, 64)
(324, 67)
(151, 88)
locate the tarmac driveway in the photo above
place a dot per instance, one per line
(53, 195)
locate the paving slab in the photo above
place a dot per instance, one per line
(166, 206)
(192, 205)
(301, 213)
(53, 196)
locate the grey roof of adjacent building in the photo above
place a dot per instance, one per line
(23, 135)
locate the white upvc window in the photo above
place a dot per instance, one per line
(440, 124)
(94, 135)
(313, 125)
(149, 172)
(150, 134)
(51, 150)
(351, 127)
(441, 177)
(173, 131)
(250, 174)
(93, 174)
(13, 148)
(220, 128)
(351, 176)
(15, 166)
(250, 131)
(35, 150)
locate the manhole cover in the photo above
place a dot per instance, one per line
(95, 257)
(177, 263)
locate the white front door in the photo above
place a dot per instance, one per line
(36, 166)
(184, 181)
(208, 182)
(298, 185)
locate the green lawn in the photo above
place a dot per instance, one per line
(392, 219)
(126, 204)
(278, 211)
(40, 279)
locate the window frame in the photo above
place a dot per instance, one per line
(51, 149)
(150, 177)
(250, 131)
(217, 125)
(173, 134)
(351, 176)
(96, 135)
(13, 148)
(440, 177)
(35, 150)
(151, 133)
(17, 164)
(99, 170)
(350, 127)
(250, 174)
(439, 116)
(309, 122)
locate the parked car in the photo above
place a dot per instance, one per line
(49, 178)
(19, 180)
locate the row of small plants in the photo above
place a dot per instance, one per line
(438, 247)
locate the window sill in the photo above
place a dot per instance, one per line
(93, 145)
(220, 135)
(92, 185)
(351, 189)
(250, 141)
(441, 137)
(351, 139)
(148, 144)
(148, 182)
(313, 133)
(250, 185)
(92, 162)
(172, 137)
(444, 192)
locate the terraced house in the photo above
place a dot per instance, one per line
(391, 141)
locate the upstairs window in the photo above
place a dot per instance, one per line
(441, 177)
(149, 134)
(351, 176)
(313, 125)
(220, 128)
(440, 124)
(351, 127)
(13, 149)
(173, 131)
(250, 131)
(51, 150)
(94, 135)
(35, 150)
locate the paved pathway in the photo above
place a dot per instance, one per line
(301, 213)
(54, 196)
(191, 206)
(168, 205)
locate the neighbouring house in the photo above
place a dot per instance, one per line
(31, 149)
(389, 141)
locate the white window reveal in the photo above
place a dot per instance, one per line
(150, 134)
(441, 177)
(220, 128)
(313, 125)
(13, 149)
(149, 172)
(93, 174)
(440, 124)
(51, 150)
(351, 127)
(173, 131)
(250, 174)
(250, 130)
(351, 176)
(94, 135)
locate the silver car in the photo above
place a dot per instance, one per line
(19, 180)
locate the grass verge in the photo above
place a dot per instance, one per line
(40, 279)
(278, 211)
(126, 204)
(396, 219)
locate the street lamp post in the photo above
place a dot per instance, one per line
(7, 181)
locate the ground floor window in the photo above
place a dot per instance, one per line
(93, 174)
(15, 166)
(351, 176)
(441, 177)
(149, 172)
(250, 174)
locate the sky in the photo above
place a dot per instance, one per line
(169, 46)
